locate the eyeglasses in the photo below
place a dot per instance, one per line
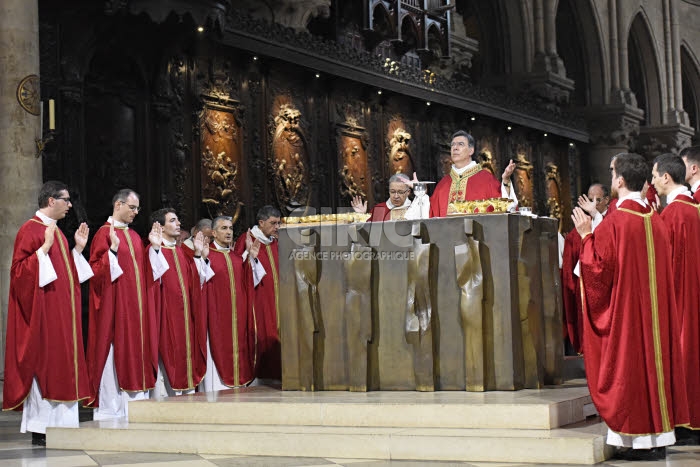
(132, 207)
(398, 192)
(67, 200)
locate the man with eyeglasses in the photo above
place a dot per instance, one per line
(467, 180)
(265, 295)
(398, 206)
(45, 371)
(123, 337)
(177, 298)
(231, 325)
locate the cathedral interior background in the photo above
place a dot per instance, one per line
(220, 107)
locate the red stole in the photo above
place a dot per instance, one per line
(121, 313)
(44, 330)
(231, 322)
(682, 216)
(474, 184)
(177, 297)
(631, 346)
(265, 299)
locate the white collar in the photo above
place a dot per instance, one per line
(406, 203)
(44, 218)
(219, 247)
(681, 190)
(257, 233)
(633, 196)
(465, 168)
(116, 223)
(695, 186)
(169, 243)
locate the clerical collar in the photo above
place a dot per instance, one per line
(695, 187)
(406, 203)
(257, 233)
(219, 247)
(470, 165)
(169, 243)
(681, 190)
(116, 223)
(44, 218)
(634, 196)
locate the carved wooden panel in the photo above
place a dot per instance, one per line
(523, 177)
(220, 145)
(352, 162)
(399, 148)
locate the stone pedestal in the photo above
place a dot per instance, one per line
(20, 169)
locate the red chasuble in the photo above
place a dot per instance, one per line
(474, 184)
(682, 216)
(177, 297)
(265, 299)
(121, 313)
(631, 344)
(231, 322)
(44, 330)
(696, 196)
(571, 291)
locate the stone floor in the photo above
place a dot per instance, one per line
(16, 450)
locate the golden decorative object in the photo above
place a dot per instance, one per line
(28, 94)
(480, 206)
(345, 218)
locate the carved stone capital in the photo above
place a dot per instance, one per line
(614, 125)
(654, 141)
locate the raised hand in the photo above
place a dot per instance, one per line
(253, 246)
(114, 246)
(155, 236)
(358, 205)
(48, 237)
(582, 222)
(587, 205)
(198, 243)
(81, 237)
(205, 248)
(510, 168)
(408, 182)
(656, 205)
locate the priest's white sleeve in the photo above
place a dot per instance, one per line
(47, 274)
(509, 192)
(82, 266)
(158, 263)
(258, 271)
(204, 269)
(114, 269)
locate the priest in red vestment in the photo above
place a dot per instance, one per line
(682, 217)
(398, 206)
(231, 326)
(467, 181)
(123, 338)
(595, 202)
(177, 296)
(631, 336)
(265, 295)
(691, 158)
(45, 370)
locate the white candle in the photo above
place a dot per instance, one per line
(52, 114)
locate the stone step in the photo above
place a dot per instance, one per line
(582, 443)
(527, 409)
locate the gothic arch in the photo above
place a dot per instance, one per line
(518, 45)
(579, 44)
(381, 21)
(690, 77)
(645, 80)
(410, 33)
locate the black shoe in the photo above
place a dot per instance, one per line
(653, 454)
(686, 437)
(38, 439)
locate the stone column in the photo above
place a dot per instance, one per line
(20, 169)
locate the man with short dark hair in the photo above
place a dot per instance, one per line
(231, 325)
(123, 339)
(467, 180)
(177, 299)
(45, 371)
(691, 158)
(682, 217)
(630, 342)
(265, 295)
